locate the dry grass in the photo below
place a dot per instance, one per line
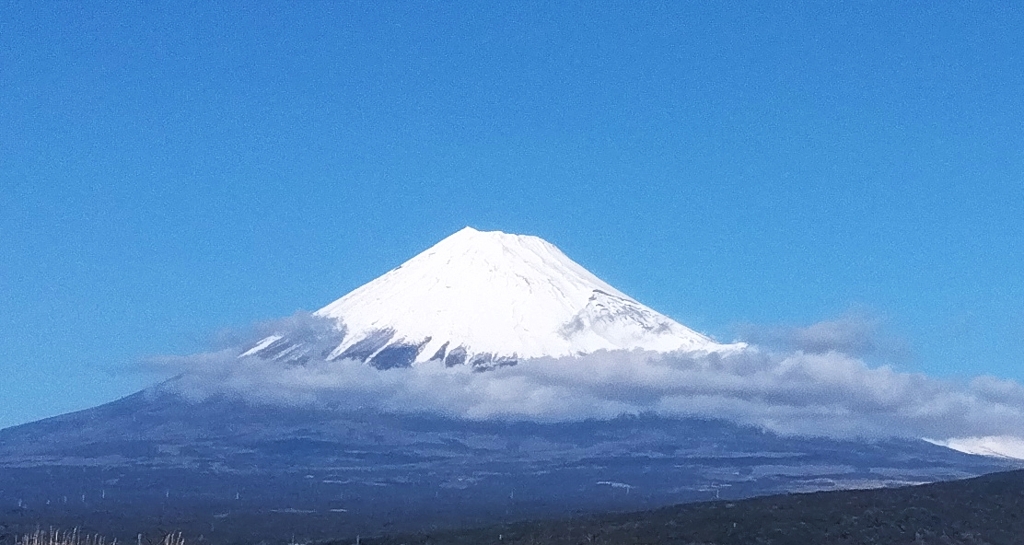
(74, 537)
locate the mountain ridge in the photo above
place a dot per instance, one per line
(976, 511)
(234, 471)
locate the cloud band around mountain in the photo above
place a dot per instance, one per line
(796, 391)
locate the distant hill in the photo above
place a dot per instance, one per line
(984, 510)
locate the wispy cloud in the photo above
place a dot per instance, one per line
(858, 332)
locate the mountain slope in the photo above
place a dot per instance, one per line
(984, 510)
(487, 299)
(237, 472)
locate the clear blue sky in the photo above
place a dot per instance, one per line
(168, 170)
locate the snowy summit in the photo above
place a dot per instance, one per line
(488, 299)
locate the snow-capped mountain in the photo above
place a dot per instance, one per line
(486, 299)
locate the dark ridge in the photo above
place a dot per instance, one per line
(481, 360)
(491, 363)
(395, 356)
(439, 355)
(984, 510)
(456, 356)
(367, 347)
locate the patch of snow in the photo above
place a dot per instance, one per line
(999, 446)
(496, 298)
(261, 345)
(615, 484)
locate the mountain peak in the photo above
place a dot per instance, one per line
(488, 298)
(470, 240)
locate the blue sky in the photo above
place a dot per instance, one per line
(171, 171)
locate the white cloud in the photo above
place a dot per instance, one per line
(858, 332)
(789, 391)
